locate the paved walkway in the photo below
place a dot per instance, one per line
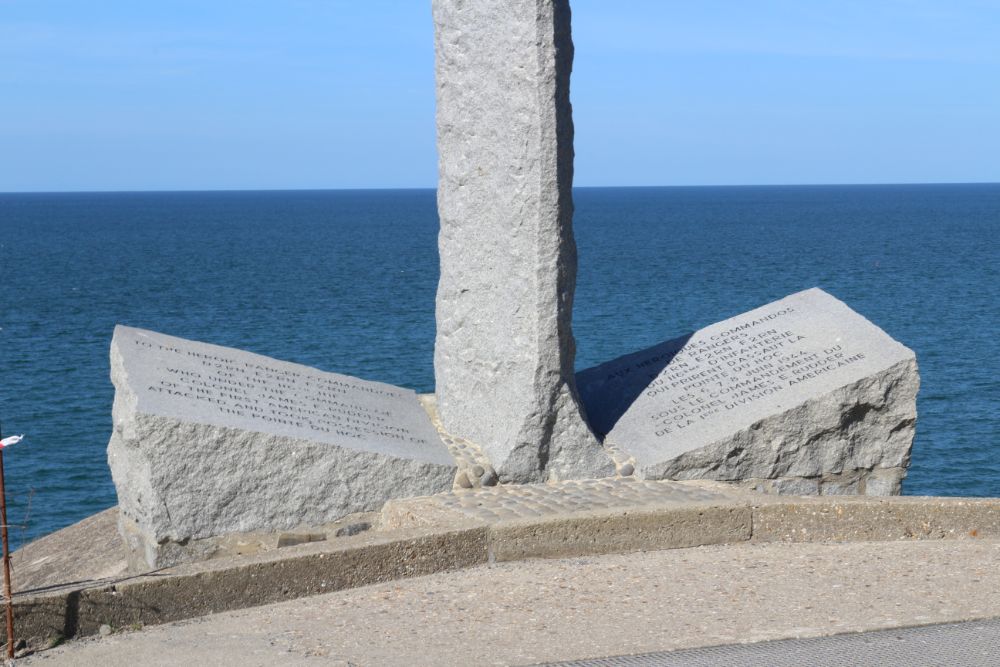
(582, 608)
(972, 644)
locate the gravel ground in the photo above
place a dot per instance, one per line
(537, 611)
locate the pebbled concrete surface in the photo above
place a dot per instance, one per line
(578, 608)
(561, 499)
(87, 551)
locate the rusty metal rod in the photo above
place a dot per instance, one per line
(6, 560)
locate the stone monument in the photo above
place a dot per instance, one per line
(504, 353)
(210, 440)
(802, 395)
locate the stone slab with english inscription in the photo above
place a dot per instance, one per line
(802, 387)
(210, 440)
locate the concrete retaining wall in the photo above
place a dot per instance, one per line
(187, 591)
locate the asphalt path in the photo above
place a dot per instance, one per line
(973, 644)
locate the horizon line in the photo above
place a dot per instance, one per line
(384, 188)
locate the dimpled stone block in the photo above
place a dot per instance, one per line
(803, 387)
(211, 440)
(561, 499)
(504, 351)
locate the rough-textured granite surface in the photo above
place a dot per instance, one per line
(504, 350)
(800, 389)
(210, 440)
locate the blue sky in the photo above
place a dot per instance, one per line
(118, 95)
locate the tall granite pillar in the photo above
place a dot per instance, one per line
(504, 352)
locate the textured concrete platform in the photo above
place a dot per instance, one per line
(537, 501)
(538, 611)
(59, 596)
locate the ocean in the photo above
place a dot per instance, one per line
(345, 281)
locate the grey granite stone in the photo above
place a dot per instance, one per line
(489, 478)
(474, 468)
(504, 352)
(794, 486)
(841, 486)
(802, 387)
(210, 440)
(885, 482)
(353, 529)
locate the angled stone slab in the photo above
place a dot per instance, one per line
(504, 353)
(803, 390)
(210, 440)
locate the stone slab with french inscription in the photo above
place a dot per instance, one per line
(210, 440)
(802, 387)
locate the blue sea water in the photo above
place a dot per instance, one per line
(345, 281)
